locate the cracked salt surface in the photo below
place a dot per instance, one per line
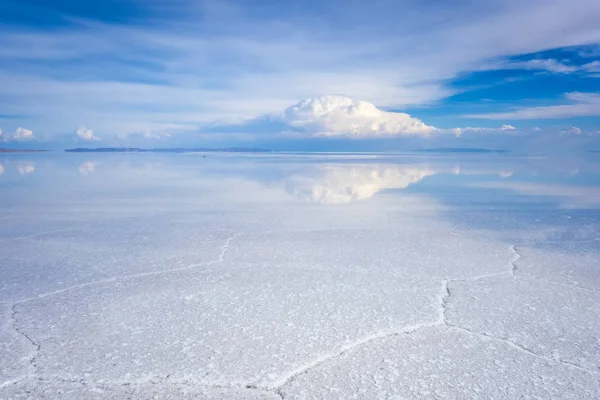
(77, 390)
(553, 321)
(55, 261)
(442, 363)
(203, 293)
(400, 252)
(580, 263)
(16, 350)
(226, 324)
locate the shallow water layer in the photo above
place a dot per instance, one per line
(299, 276)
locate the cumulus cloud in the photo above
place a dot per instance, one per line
(333, 116)
(571, 131)
(342, 116)
(19, 134)
(86, 134)
(23, 134)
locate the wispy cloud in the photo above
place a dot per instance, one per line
(550, 65)
(146, 135)
(469, 129)
(578, 105)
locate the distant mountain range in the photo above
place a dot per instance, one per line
(20, 151)
(174, 150)
(462, 150)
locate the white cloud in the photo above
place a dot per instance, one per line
(86, 134)
(1, 169)
(581, 105)
(572, 131)
(470, 129)
(22, 134)
(550, 65)
(156, 135)
(342, 116)
(145, 135)
(19, 134)
(592, 67)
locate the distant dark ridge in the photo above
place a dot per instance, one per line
(21, 151)
(175, 150)
(462, 150)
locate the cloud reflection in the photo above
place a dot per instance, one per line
(346, 183)
(87, 167)
(26, 168)
(341, 184)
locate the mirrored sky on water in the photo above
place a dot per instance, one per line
(496, 192)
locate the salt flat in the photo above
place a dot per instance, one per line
(267, 277)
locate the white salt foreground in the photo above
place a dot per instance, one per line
(256, 299)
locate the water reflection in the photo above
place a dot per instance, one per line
(326, 181)
(341, 184)
(23, 167)
(87, 167)
(26, 168)
(570, 196)
(344, 183)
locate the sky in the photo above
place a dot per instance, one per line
(312, 75)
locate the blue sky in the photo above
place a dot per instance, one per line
(305, 75)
